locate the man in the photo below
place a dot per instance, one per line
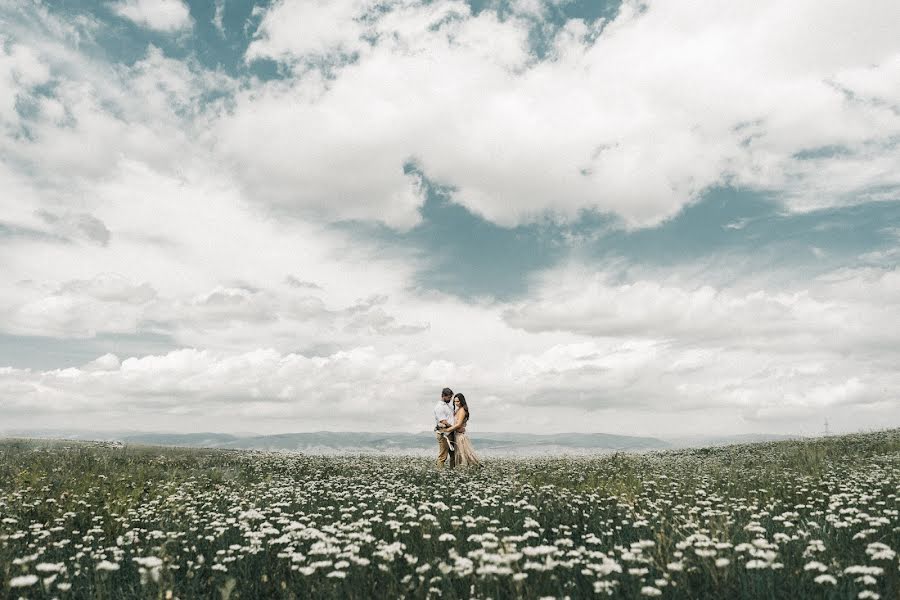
(443, 417)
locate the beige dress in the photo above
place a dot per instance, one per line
(465, 454)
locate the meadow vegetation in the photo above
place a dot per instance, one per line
(813, 518)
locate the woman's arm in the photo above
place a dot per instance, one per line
(460, 421)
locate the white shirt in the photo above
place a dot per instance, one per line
(443, 410)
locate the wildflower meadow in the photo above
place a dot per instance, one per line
(814, 518)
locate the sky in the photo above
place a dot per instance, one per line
(644, 218)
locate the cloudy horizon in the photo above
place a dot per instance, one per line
(639, 218)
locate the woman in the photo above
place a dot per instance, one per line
(465, 454)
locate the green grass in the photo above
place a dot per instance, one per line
(235, 524)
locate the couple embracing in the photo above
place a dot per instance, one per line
(450, 417)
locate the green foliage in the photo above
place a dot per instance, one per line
(800, 519)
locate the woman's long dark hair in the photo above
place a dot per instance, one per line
(462, 404)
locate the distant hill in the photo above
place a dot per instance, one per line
(333, 442)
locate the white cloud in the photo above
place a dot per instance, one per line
(608, 122)
(658, 340)
(218, 16)
(67, 225)
(91, 116)
(637, 121)
(20, 72)
(136, 206)
(354, 388)
(78, 308)
(189, 257)
(660, 355)
(163, 15)
(520, 381)
(107, 362)
(665, 307)
(116, 179)
(292, 29)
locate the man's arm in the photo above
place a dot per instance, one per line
(460, 421)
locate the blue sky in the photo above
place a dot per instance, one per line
(649, 218)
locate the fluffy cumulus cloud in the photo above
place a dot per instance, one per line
(162, 15)
(794, 354)
(20, 72)
(193, 261)
(162, 197)
(346, 390)
(857, 302)
(636, 116)
(294, 29)
(689, 357)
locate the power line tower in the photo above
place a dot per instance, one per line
(827, 431)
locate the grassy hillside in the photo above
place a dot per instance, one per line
(791, 519)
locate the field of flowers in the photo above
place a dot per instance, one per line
(807, 519)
